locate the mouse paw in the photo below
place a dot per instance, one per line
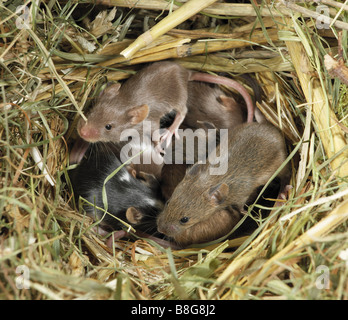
(244, 212)
(285, 192)
(159, 149)
(283, 195)
(117, 235)
(176, 133)
(167, 137)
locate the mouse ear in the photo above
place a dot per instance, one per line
(195, 169)
(149, 179)
(218, 194)
(228, 103)
(207, 125)
(111, 89)
(138, 114)
(131, 170)
(133, 215)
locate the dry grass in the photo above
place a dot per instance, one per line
(48, 76)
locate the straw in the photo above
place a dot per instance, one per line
(296, 249)
(331, 134)
(183, 13)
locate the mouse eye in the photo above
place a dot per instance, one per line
(184, 219)
(108, 127)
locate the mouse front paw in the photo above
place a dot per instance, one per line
(166, 137)
(159, 149)
(283, 195)
(168, 134)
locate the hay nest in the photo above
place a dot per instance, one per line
(55, 55)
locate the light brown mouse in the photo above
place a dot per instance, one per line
(148, 95)
(214, 227)
(255, 152)
(206, 103)
(208, 108)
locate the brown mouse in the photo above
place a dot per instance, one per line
(193, 146)
(255, 152)
(206, 103)
(208, 108)
(217, 225)
(171, 176)
(148, 95)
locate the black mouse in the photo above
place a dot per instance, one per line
(134, 198)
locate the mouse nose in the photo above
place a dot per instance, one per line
(88, 133)
(168, 229)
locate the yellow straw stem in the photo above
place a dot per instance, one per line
(330, 133)
(338, 216)
(178, 16)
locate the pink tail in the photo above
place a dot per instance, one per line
(205, 77)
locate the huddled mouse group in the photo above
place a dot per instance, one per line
(176, 203)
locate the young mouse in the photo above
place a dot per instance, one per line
(148, 95)
(121, 150)
(255, 152)
(206, 103)
(137, 201)
(214, 227)
(138, 164)
(171, 176)
(193, 146)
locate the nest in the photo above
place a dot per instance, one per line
(56, 60)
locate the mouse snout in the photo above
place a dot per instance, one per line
(88, 133)
(169, 229)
